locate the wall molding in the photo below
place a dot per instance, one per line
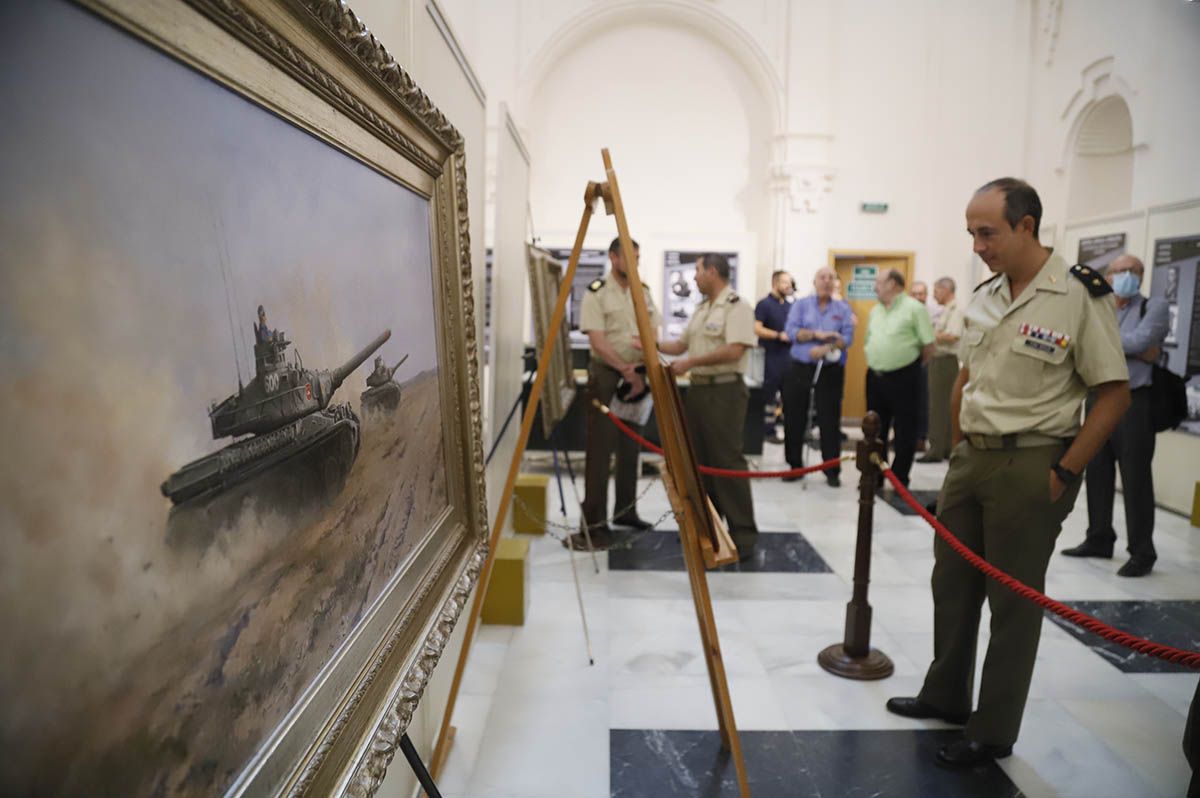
(1098, 81)
(443, 26)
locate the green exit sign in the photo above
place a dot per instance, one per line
(874, 207)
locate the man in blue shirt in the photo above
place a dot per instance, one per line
(1143, 324)
(820, 328)
(770, 318)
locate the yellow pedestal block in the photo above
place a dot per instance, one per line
(529, 504)
(507, 599)
(1196, 505)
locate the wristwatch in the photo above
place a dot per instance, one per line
(1065, 475)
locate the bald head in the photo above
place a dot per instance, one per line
(823, 282)
(1125, 263)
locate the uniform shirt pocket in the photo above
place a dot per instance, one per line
(1024, 373)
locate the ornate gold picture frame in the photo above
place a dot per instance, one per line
(234, 548)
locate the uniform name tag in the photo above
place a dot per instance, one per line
(1038, 345)
(713, 326)
(1055, 339)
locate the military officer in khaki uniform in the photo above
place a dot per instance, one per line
(715, 348)
(606, 316)
(1037, 336)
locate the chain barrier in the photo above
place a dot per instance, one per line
(1189, 659)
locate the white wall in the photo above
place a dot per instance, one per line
(689, 146)
(1148, 56)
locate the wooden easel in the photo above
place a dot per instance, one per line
(698, 521)
(445, 737)
(684, 488)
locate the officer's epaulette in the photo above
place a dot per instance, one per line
(985, 282)
(733, 297)
(1091, 279)
(596, 285)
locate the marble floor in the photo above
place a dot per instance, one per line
(535, 720)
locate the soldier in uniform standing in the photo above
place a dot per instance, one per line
(606, 316)
(715, 348)
(1037, 336)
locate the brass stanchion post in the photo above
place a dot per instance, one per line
(854, 658)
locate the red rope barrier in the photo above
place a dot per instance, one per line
(723, 472)
(1190, 659)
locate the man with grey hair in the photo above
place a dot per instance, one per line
(1143, 323)
(943, 368)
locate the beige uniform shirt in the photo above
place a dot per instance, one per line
(608, 307)
(950, 320)
(716, 322)
(1031, 361)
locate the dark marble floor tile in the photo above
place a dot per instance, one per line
(1172, 623)
(776, 552)
(847, 764)
(925, 497)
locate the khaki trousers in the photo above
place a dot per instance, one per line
(715, 417)
(603, 438)
(943, 370)
(997, 502)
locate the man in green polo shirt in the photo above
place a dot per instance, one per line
(899, 339)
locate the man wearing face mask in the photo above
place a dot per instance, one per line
(1143, 324)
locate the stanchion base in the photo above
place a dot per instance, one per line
(875, 665)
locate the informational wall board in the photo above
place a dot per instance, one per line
(592, 265)
(862, 283)
(680, 295)
(1099, 251)
(1175, 281)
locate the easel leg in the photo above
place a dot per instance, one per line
(441, 748)
(418, 767)
(587, 638)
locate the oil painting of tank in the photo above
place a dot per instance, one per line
(193, 542)
(287, 412)
(383, 392)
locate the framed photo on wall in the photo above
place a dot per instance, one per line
(545, 281)
(243, 505)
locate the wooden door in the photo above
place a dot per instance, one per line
(857, 271)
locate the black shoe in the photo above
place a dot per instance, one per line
(916, 708)
(773, 438)
(792, 478)
(1087, 549)
(602, 540)
(834, 480)
(929, 458)
(1135, 567)
(633, 522)
(962, 754)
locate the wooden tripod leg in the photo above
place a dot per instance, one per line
(706, 642)
(671, 431)
(441, 747)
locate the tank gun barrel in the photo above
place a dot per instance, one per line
(350, 365)
(396, 367)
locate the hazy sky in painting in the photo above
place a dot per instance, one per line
(130, 179)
